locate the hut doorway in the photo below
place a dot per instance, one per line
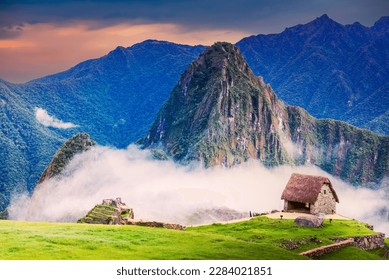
(299, 207)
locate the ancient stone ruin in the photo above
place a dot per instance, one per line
(115, 212)
(110, 212)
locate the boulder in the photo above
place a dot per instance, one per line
(309, 221)
(321, 215)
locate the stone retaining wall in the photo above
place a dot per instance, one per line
(320, 251)
(368, 242)
(152, 224)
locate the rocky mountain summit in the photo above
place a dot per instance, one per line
(79, 143)
(220, 113)
(215, 112)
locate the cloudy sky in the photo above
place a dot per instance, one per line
(38, 38)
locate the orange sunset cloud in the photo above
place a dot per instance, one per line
(44, 49)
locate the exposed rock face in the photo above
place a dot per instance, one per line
(309, 221)
(77, 144)
(220, 113)
(111, 211)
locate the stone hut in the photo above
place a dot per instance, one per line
(309, 194)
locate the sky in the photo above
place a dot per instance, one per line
(39, 38)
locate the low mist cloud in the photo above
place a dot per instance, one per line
(165, 191)
(44, 118)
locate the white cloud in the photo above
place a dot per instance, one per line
(165, 191)
(44, 118)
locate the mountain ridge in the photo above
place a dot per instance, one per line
(328, 68)
(113, 98)
(119, 49)
(220, 113)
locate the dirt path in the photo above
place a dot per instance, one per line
(288, 215)
(224, 222)
(276, 215)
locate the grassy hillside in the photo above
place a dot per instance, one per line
(260, 238)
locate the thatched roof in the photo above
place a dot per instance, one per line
(305, 188)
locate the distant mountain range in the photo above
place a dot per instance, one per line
(331, 70)
(220, 113)
(114, 98)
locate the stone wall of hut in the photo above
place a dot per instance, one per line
(325, 202)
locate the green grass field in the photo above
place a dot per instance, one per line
(260, 238)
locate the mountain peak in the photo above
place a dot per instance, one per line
(224, 46)
(77, 144)
(324, 20)
(220, 49)
(381, 25)
(319, 25)
(324, 17)
(222, 55)
(159, 43)
(153, 42)
(118, 50)
(223, 61)
(383, 20)
(219, 113)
